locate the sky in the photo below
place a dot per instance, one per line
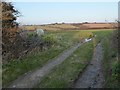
(68, 12)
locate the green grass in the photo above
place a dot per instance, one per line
(65, 39)
(63, 75)
(15, 68)
(109, 62)
(100, 35)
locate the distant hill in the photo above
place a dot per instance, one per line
(71, 26)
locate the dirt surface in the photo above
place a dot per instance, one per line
(31, 79)
(92, 77)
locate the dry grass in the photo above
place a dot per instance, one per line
(77, 26)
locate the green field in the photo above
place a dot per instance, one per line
(65, 74)
(65, 40)
(73, 65)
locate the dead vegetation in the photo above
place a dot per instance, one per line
(9, 27)
(16, 43)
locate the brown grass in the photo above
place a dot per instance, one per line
(72, 26)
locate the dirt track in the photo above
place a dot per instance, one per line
(31, 79)
(93, 76)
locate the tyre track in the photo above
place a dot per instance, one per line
(30, 79)
(92, 77)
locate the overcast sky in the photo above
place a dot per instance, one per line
(69, 12)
